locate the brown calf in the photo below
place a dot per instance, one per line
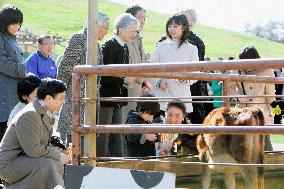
(243, 149)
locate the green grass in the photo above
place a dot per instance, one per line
(277, 139)
(65, 17)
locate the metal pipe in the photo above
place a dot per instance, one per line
(181, 66)
(204, 77)
(134, 99)
(76, 92)
(181, 129)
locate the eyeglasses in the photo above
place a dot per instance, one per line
(47, 44)
(144, 18)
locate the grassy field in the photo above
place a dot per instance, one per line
(64, 17)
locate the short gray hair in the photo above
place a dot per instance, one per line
(124, 21)
(102, 18)
(191, 12)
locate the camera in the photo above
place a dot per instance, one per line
(55, 141)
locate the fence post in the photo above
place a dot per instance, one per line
(226, 92)
(76, 95)
(91, 80)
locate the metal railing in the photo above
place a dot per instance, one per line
(173, 71)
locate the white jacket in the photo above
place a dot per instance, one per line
(168, 51)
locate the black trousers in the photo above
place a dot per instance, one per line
(3, 127)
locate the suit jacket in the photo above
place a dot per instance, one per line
(25, 143)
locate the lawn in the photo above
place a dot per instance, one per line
(65, 17)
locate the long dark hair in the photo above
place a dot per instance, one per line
(179, 19)
(10, 15)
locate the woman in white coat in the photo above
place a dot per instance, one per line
(175, 48)
(241, 88)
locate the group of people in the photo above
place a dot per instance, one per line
(27, 156)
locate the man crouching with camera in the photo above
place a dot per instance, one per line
(27, 159)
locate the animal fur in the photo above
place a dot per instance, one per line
(244, 149)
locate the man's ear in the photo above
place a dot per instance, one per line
(48, 97)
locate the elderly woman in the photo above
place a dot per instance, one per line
(115, 51)
(256, 89)
(12, 69)
(75, 54)
(136, 55)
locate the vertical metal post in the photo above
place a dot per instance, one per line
(76, 93)
(226, 92)
(91, 80)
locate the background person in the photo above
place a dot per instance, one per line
(75, 54)
(41, 63)
(11, 63)
(200, 88)
(140, 145)
(136, 55)
(115, 51)
(241, 88)
(26, 158)
(27, 91)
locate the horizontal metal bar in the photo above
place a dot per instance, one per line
(186, 162)
(204, 77)
(110, 99)
(181, 129)
(180, 66)
(179, 99)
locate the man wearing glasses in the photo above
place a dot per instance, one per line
(40, 63)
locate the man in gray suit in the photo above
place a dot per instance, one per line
(27, 159)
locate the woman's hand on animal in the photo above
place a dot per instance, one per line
(151, 137)
(148, 84)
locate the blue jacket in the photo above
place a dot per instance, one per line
(41, 66)
(11, 70)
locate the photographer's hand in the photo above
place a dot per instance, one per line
(64, 158)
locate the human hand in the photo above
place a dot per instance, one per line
(129, 80)
(64, 159)
(151, 137)
(164, 149)
(164, 85)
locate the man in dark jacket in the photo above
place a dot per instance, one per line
(139, 145)
(200, 110)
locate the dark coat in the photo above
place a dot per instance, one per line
(196, 41)
(113, 53)
(12, 69)
(74, 54)
(134, 147)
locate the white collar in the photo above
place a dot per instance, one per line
(119, 40)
